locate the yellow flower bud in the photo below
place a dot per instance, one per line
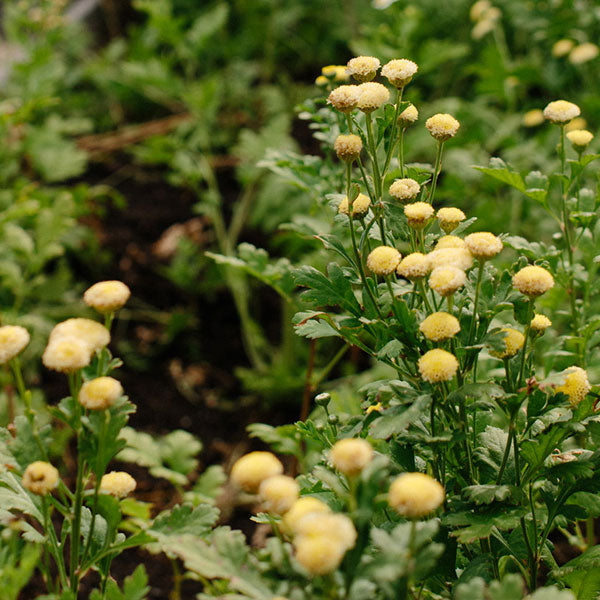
(399, 71)
(440, 326)
(533, 118)
(583, 53)
(360, 206)
(580, 138)
(405, 189)
(418, 214)
(319, 555)
(344, 98)
(450, 241)
(562, 48)
(334, 525)
(483, 244)
(533, 281)
(561, 111)
(302, 507)
(363, 68)
(576, 385)
(348, 147)
(449, 218)
(252, 469)
(540, 323)
(451, 257)
(107, 296)
(442, 126)
(414, 266)
(350, 456)
(118, 484)
(279, 493)
(100, 393)
(66, 355)
(437, 365)
(13, 340)
(91, 333)
(446, 280)
(513, 342)
(383, 260)
(415, 495)
(408, 116)
(40, 478)
(372, 96)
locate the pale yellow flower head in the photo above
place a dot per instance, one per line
(414, 266)
(583, 53)
(576, 123)
(576, 385)
(408, 116)
(415, 495)
(303, 506)
(580, 138)
(321, 80)
(533, 281)
(442, 126)
(418, 214)
(40, 478)
(450, 241)
(372, 96)
(360, 206)
(329, 70)
(383, 260)
(118, 484)
(344, 98)
(533, 118)
(249, 471)
(350, 456)
(451, 257)
(348, 147)
(279, 493)
(399, 71)
(67, 354)
(13, 340)
(561, 111)
(326, 524)
(562, 47)
(319, 555)
(93, 334)
(437, 365)
(100, 393)
(446, 280)
(107, 296)
(482, 28)
(479, 9)
(540, 323)
(483, 244)
(335, 72)
(449, 218)
(440, 326)
(405, 189)
(513, 342)
(363, 68)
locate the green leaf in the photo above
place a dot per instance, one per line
(207, 487)
(397, 419)
(135, 587)
(472, 526)
(582, 574)
(485, 494)
(499, 170)
(184, 519)
(283, 439)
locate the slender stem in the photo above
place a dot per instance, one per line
(392, 144)
(376, 176)
(76, 529)
(527, 334)
(401, 151)
(465, 428)
(54, 547)
(436, 171)
(421, 287)
(511, 432)
(476, 301)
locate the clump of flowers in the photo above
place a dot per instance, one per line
(372, 95)
(483, 245)
(418, 214)
(279, 493)
(540, 323)
(344, 98)
(447, 280)
(348, 147)
(450, 218)
(414, 266)
(100, 393)
(399, 71)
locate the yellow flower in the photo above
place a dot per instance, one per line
(450, 241)
(351, 456)
(329, 70)
(449, 218)
(348, 147)
(540, 323)
(279, 493)
(583, 53)
(344, 98)
(383, 260)
(321, 80)
(118, 484)
(13, 340)
(576, 385)
(399, 71)
(107, 296)
(360, 206)
(479, 9)
(372, 95)
(374, 408)
(363, 68)
(333, 525)
(534, 117)
(93, 334)
(418, 214)
(576, 123)
(439, 326)
(442, 126)
(405, 189)
(561, 111)
(562, 47)
(252, 469)
(302, 507)
(100, 393)
(319, 555)
(408, 116)
(341, 74)
(66, 354)
(533, 281)
(40, 478)
(580, 138)
(414, 266)
(513, 342)
(483, 244)
(415, 495)
(451, 257)
(446, 280)
(437, 365)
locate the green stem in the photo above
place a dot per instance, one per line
(511, 432)
(421, 287)
(436, 171)
(376, 176)
(476, 301)
(527, 334)
(54, 547)
(401, 151)
(392, 144)
(76, 529)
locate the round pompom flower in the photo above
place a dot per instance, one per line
(252, 469)
(334, 525)
(483, 244)
(360, 206)
(561, 111)
(13, 340)
(451, 257)
(93, 334)
(440, 326)
(513, 342)
(344, 98)
(383, 260)
(449, 218)
(437, 365)
(372, 96)
(580, 138)
(450, 241)
(319, 555)
(348, 147)
(350, 456)
(66, 354)
(107, 296)
(533, 281)
(405, 189)
(118, 484)
(442, 126)
(399, 71)
(576, 123)
(533, 118)
(414, 266)
(446, 280)
(583, 53)
(363, 68)
(540, 323)
(576, 385)
(100, 393)
(415, 495)
(279, 493)
(408, 116)
(562, 47)
(303, 506)
(418, 214)
(40, 478)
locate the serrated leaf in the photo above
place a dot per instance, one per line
(485, 494)
(184, 519)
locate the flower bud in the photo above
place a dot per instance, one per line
(442, 126)
(100, 393)
(279, 493)
(363, 68)
(118, 484)
(437, 365)
(348, 147)
(252, 469)
(40, 478)
(415, 495)
(13, 340)
(350, 456)
(107, 296)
